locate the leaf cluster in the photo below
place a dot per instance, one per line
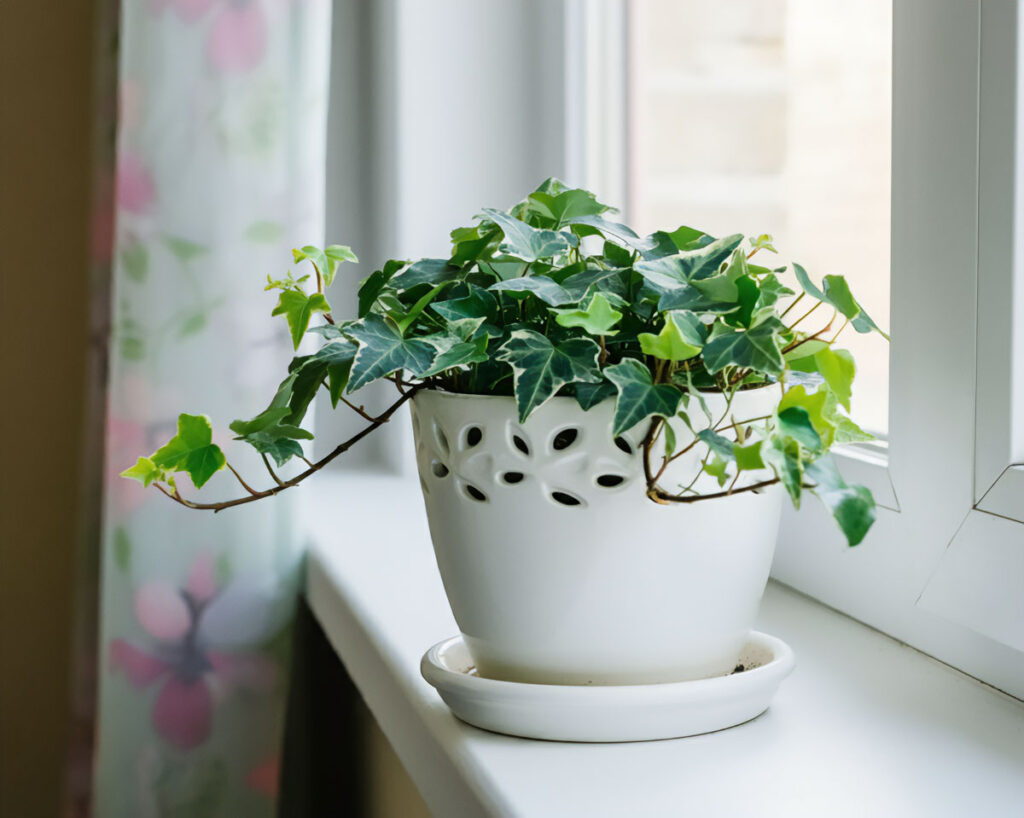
(554, 297)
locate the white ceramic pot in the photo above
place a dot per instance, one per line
(558, 568)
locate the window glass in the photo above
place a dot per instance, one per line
(773, 116)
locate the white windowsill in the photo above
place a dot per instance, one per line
(865, 726)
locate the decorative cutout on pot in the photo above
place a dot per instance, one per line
(512, 477)
(622, 444)
(520, 443)
(566, 499)
(610, 481)
(565, 438)
(438, 468)
(473, 493)
(441, 439)
(472, 436)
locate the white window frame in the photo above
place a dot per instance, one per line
(943, 567)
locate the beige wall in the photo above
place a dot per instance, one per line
(46, 84)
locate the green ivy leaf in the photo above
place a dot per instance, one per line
(191, 450)
(597, 317)
(298, 309)
(567, 205)
(692, 299)
(853, 507)
(795, 422)
(282, 449)
(528, 243)
(383, 351)
(838, 369)
(719, 444)
(588, 395)
(144, 470)
(375, 283)
(540, 369)
(541, 286)
(332, 362)
(816, 406)
(716, 467)
(748, 458)
(432, 271)
(837, 293)
(639, 398)
(784, 456)
(680, 338)
(756, 348)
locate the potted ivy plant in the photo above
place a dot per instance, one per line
(606, 426)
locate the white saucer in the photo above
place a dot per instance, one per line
(609, 712)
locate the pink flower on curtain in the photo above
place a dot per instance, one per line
(238, 38)
(191, 627)
(135, 189)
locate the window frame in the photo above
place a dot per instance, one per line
(939, 570)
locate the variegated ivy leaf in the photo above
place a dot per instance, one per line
(540, 368)
(529, 243)
(692, 299)
(688, 266)
(541, 286)
(431, 271)
(383, 351)
(454, 351)
(852, 506)
(473, 308)
(639, 398)
(615, 280)
(756, 348)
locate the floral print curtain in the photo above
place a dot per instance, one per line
(220, 164)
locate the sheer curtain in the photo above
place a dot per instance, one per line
(220, 163)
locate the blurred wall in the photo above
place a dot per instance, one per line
(46, 124)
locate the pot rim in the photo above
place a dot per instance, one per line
(445, 393)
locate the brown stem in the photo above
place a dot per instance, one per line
(359, 410)
(795, 301)
(273, 473)
(802, 317)
(245, 485)
(339, 449)
(803, 341)
(604, 351)
(662, 496)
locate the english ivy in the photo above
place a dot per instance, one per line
(554, 298)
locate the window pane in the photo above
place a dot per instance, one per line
(773, 116)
